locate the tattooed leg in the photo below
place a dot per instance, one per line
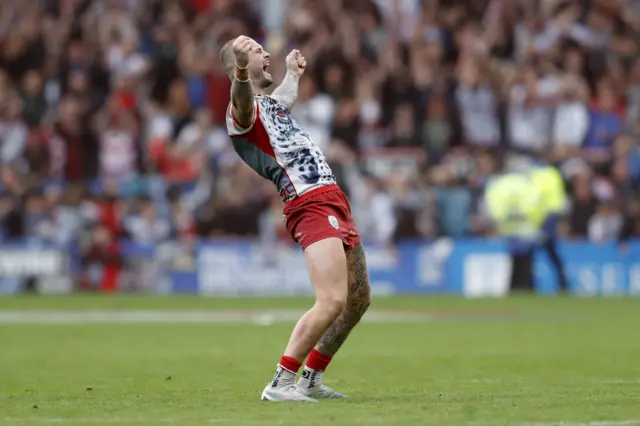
(358, 302)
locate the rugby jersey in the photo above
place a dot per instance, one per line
(277, 148)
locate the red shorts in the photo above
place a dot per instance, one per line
(320, 214)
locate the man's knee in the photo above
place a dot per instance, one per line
(333, 304)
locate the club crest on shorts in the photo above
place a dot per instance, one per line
(334, 222)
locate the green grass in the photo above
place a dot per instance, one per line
(481, 362)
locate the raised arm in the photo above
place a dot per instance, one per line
(287, 92)
(241, 88)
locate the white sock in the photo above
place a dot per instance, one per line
(283, 377)
(309, 378)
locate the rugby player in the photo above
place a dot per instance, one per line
(316, 213)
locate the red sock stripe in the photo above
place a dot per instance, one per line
(318, 361)
(290, 363)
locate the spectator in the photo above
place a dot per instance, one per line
(314, 110)
(146, 227)
(532, 99)
(119, 147)
(453, 201)
(606, 224)
(68, 219)
(478, 105)
(375, 212)
(36, 219)
(403, 132)
(631, 227)
(606, 122)
(634, 93)
(74, 143)
(571, 121)
(37, 157)
(181, 217)
(13, 131)
(583, 206)
(102, 261)
(34, 104)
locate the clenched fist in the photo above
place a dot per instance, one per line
(242, 46)
(296, 63)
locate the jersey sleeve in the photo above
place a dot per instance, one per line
(234, 128)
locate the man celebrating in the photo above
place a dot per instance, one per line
(316, 213)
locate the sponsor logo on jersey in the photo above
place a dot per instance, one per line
(334, 222)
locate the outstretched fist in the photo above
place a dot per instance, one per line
(296, 63)
(242, 46)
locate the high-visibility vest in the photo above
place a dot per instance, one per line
(516, 205)
(549, 181)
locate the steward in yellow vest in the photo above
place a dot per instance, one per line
(525, 206)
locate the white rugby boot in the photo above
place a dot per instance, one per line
(283, 388)
(285, 393)
(319, 390)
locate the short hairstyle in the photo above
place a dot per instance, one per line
(227, 58)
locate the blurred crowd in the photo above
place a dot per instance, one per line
(112, 113)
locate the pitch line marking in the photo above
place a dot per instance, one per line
(594, 423)
(87, 420)
(222, 421)
(258, 317)
(56, 420)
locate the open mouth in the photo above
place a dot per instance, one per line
(265, 66)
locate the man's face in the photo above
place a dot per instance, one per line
(258, 67)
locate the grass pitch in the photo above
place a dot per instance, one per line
(127, 360)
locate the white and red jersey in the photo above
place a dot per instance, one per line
(277, 148)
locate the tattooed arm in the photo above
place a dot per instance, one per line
(242, 101)
(241, 88)
(358, 302)
(287, 92)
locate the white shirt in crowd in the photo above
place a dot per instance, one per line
(159, 127)
(148, 231)
(408, 13)
(189, 136)
(376, 218)
(125, 65)
(571, 124)
(528, 125)
(374, 212)
(315, 117)
(478, 108)
(13, 139)
(603, 228)
(68, 222)
(578, 32)
(117, 154)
